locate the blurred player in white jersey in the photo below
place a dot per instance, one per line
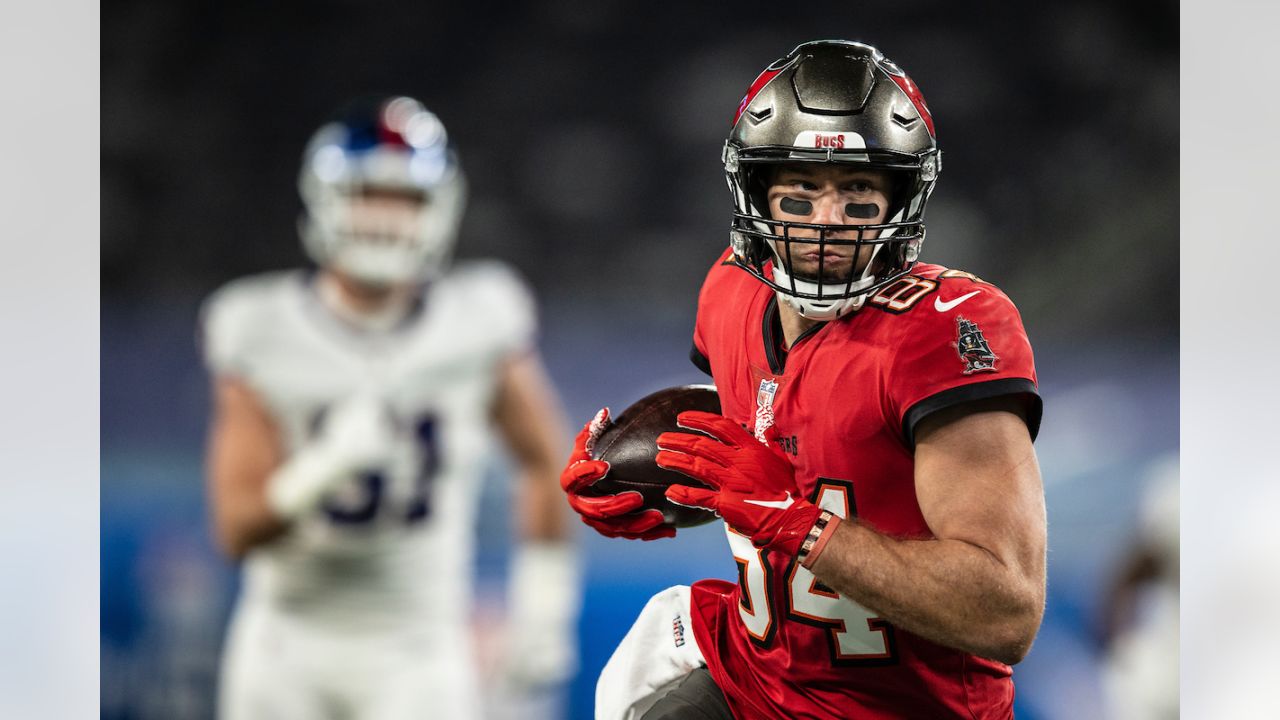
(1139, 625)
(352, 414)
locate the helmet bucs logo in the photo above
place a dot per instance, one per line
(842, 140)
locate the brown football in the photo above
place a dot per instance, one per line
(630, 445)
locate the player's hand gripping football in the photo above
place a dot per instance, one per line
(753, 484)
(611, 515)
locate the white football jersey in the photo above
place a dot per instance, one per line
(393, 548)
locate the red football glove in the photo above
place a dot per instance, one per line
(610, 515)
(754, 487)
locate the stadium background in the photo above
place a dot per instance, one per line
(591, 135)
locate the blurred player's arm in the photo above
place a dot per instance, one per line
(544, 590)
(243, 450)
(980, 584)
(530, 419)
(256, 491)
(1142, 565)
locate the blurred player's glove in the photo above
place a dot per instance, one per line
(610, 515)
(356, 436)
(543, 599)
(753, 484)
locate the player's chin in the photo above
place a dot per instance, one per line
(831, 270)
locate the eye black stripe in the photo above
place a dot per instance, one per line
(862, 211)
(792, 206)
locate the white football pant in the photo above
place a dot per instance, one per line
(275, 668)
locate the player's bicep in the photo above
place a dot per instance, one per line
(978, 481)
(244, 446)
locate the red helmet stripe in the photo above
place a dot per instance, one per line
(387, 133)
(917, 99)
(760, 81)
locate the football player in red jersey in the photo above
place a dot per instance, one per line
(874, 463)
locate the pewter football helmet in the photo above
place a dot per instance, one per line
(830, 101)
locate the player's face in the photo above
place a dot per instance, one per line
(830, 195)
(385, 215)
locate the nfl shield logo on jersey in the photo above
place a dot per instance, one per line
(764, 396)
(764, 408)
(973, 347)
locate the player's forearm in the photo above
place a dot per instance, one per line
(948, 591)
(242, 516)
(1118, 603)
(527, 413)
(543, 516)
(245, 523)
(244, 451)
(254, 504)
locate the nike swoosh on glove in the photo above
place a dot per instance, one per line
(753, 484)
(610, 515)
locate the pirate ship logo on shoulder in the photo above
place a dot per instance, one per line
(973, 347)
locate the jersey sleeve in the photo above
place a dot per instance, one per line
(975, 350)
(226, 330)
(698, 353)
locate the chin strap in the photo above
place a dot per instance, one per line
(823, 311)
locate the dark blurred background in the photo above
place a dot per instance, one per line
(591, 133)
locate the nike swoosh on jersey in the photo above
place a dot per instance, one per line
(945, 306)
(780, 504)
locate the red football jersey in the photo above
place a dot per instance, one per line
(845, 401)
